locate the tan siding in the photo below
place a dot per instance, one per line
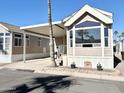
(70, 51)
(33, 48)
(108, 52)
(88, 51)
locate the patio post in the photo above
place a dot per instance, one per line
(4, 40)
(24, 47)
(11, 45)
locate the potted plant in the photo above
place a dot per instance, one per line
(61, 63)
(73, 65)
(99, 67)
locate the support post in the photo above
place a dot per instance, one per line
(24, 47)
(4, 41)
(11, 46)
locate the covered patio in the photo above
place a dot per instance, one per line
(59, 35)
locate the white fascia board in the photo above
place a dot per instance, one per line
(4, 27)
(92, 11)
(104, 12)
(39, 25)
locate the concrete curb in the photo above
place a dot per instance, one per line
(72, 72)
(84, 75)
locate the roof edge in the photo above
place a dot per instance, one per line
(38, 25)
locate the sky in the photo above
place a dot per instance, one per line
(29, 12)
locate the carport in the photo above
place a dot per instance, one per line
(59, 33)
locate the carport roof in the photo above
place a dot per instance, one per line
(58, 29)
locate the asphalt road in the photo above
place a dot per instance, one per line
(28, 82)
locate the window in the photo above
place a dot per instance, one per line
(7, 34)
(28, 40)
(1, 43)
(88, 36)
(71, 39)
(7, 43)
(18, 40)
(87, 24)
(1, 34)
(39, 42)
(106, 36)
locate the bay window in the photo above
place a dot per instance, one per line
(88, 37)
(88, 34)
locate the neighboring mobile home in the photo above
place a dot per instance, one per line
(12, 44)
(84, 38)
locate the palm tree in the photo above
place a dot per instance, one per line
(51, 33)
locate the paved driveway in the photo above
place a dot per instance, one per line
(27, 82)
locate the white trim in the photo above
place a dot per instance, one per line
(33, 34)
(39, 25)
(24, 47)
(73, 31)
(104, 12)
(4, 41)
(92, 11)
(11, 45)
(102, 39)
(4, 27)
(92, 27)
(111, 31)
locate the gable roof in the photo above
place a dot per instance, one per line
(104, 16)
(10, 27)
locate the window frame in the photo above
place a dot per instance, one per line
(18, 38)
(28, 40)
(86, 23)
(106, 37)
(40, 42)
(85, 28)
(70, 38)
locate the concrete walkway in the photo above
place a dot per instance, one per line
(35, 64)
(120, 67)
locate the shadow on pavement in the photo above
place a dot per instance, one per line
(48, 84)
(116, 61)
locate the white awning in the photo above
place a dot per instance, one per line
(58, 29)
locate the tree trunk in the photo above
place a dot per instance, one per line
(51, 34)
